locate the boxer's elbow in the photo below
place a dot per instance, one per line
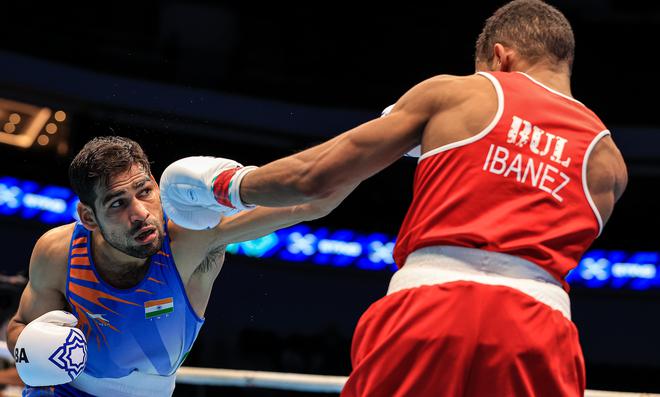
(316, 209)
(325, 207)
(14, 328)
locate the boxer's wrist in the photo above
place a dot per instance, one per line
(227, 188)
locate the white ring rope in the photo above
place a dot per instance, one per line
(268, 380)
(301, 382)
(288, 381)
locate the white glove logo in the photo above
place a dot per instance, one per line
(20, 356)
(72, 355)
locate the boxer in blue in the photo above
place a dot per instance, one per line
(115, 301)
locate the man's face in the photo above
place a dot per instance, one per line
(129, 213)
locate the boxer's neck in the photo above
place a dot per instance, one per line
(555, 77)
(115, 267)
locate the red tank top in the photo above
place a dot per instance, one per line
(518, 187)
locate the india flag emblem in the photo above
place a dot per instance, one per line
(158, 307)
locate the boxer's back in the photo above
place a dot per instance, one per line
(505, 169)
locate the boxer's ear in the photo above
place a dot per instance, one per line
(503, 58)
(87, 217)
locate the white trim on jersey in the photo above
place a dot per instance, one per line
(585, 186)
(533, 80)
(484, 132)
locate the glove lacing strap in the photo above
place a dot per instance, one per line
(227, 185)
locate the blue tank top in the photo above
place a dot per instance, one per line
(149, 328)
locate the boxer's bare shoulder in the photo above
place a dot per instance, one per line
(48, 264)
(463, 106)
(607, 176)
(448, 90)
(46, 289)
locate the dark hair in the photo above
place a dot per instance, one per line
(535, 29)
(101, 159)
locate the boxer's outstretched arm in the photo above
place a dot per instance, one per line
(205, 248)
(263, 220)
(350, 157)
(41, 294)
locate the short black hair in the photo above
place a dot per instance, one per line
(535, 29)
(101, 159)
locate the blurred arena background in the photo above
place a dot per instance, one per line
(255, 83)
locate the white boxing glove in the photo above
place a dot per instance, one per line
(50, 351)
(417, 150)
(193, 193)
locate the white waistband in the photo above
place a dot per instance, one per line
(443, 264)
(137, 384)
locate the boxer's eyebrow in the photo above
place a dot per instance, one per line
(112, 195)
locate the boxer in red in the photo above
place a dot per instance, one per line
(516, 179)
